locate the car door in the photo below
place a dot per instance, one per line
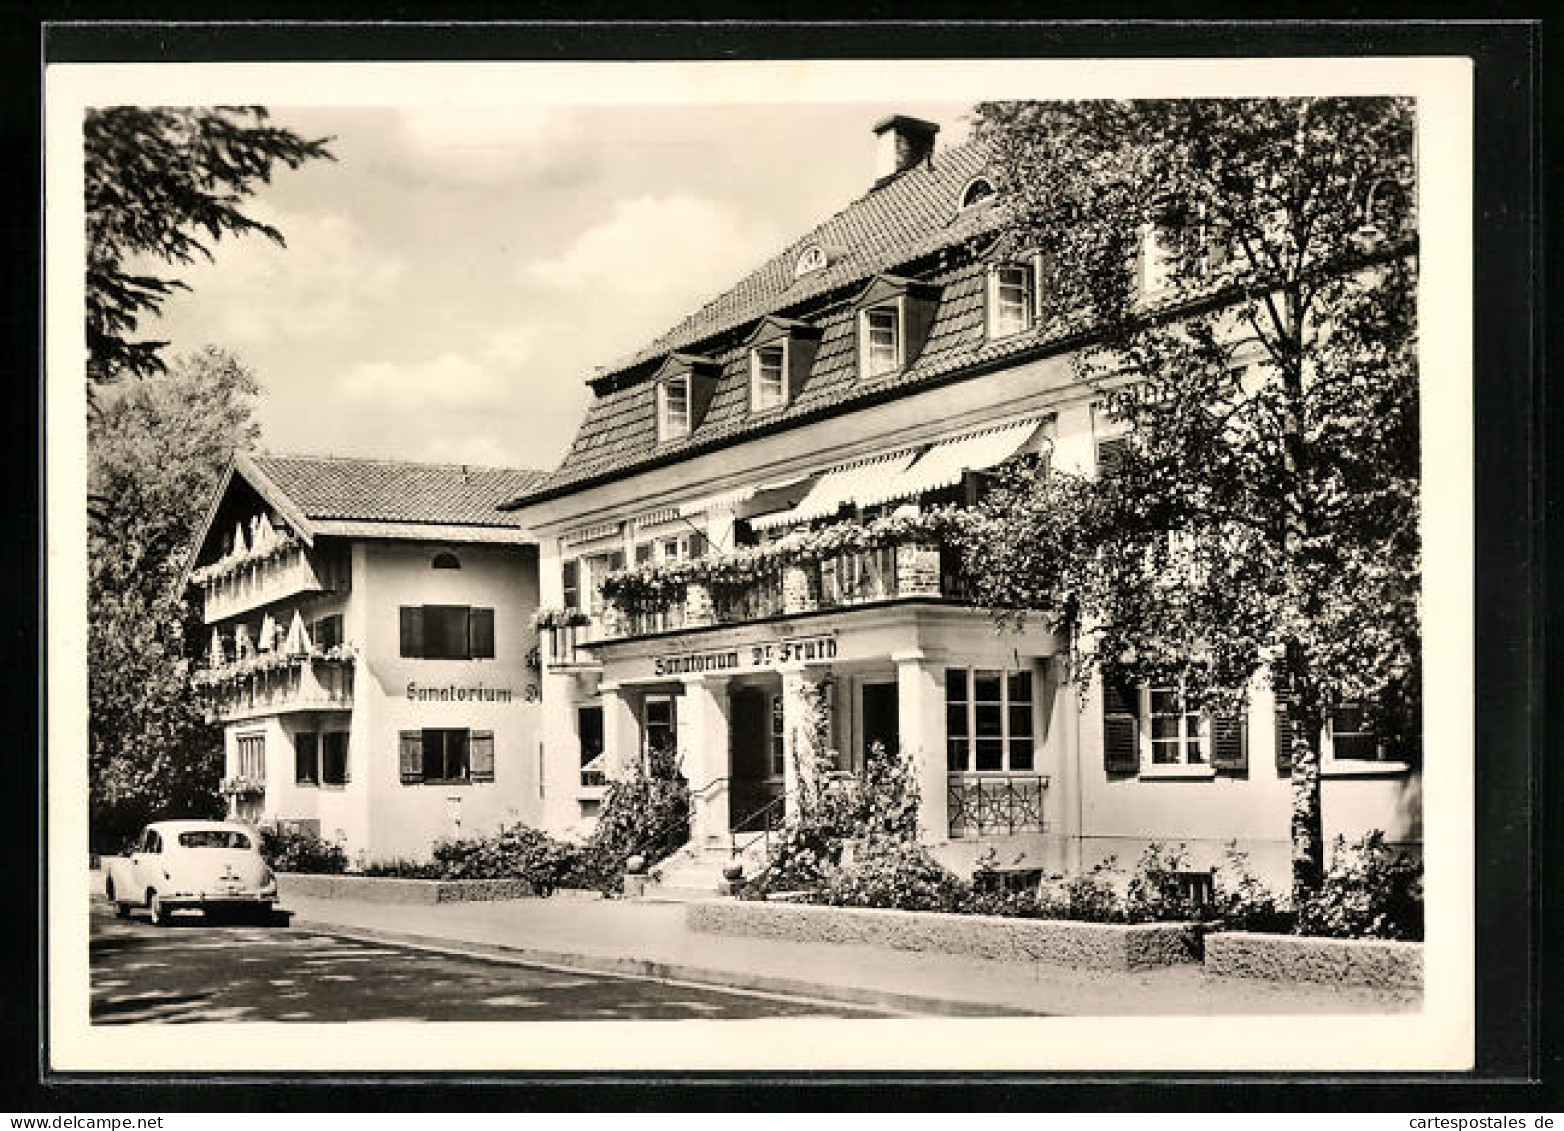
(146, 861)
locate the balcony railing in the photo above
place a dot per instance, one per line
(252, 688)
(290, 570)
(835, 581)
(995, 804)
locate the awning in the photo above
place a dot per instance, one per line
(944, 464)
(846, 483)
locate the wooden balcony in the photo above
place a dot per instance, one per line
(313, 683)
(292, 572)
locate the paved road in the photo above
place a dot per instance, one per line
(195, 971)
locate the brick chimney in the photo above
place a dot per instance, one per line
(903, 142)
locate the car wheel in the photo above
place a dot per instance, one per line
(160, 912)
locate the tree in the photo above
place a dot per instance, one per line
(1263, 518)
(157, 449)
(160, 183)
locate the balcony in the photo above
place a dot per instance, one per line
(838, 567)
(286, 569)
(273, 684)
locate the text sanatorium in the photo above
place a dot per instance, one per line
(753, 656)
(451, 693)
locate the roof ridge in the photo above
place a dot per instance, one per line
(384, 462)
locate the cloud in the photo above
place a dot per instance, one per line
(467, 447)
(460, 145)
(655, 260)
(450, 380)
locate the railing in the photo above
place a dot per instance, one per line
(315, 684)
(293, 571)
(757, 826)
(241, 785)
(841, 580)
(997, 804)
(564, 645)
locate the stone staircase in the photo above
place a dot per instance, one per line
(695, 871)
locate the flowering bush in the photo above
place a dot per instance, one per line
(646, 814)
(1091, 896)
(1155, 892)
(559, 618)
(288, 851)
(659, 584)
(1242, 902)
(515, 852)
(283, 541)
(895, 874)
(1370, 891)
(271, 661)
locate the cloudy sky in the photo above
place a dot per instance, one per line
(454, 277)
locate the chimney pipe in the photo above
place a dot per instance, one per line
(903, 142)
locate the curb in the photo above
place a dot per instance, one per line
(706, 977)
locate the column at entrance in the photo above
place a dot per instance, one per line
(920, 710)
(703, 742)
(621, 734)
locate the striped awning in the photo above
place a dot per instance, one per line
(839, 486)
(944, 464)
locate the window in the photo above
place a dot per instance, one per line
(570, 579)
(778, 739)
(880, 331)
(447, 632)
(673, 408)
(334, 758)
(659, 725)
(1010, 300)
(445, 560)
(812, 258)
(597, 567)
(988, 720)
(1112, 454)
(978, 189)
(252, 756)
(306, 758)
(589, 730)
(446, 755)
(326, 632)
(214, 838)
(768, 377)
(1176, 738)
(671, 548)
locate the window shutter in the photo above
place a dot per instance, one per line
(481, 626)
(1284, 733)
(480, 755)
(991, 301)
(1230, 742)
(1111, 455)
(1120, 727)
(412, 756)
(412, 630)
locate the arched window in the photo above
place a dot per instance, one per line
(812, 258)
(978, 189)
(446, 560)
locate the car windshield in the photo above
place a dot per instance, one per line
(213, 838)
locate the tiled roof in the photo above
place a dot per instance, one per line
(907, 220)
(339, 489)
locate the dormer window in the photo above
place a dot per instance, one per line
(978, 190)
(683, 388)
(673, 408)
(882, 344)
(811, 259)
(894, 316)
(781, 352)
(1012, 301)
(768, 377)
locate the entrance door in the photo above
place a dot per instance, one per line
(879, 719)
(752, 784)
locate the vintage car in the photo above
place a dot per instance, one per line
(208, 866)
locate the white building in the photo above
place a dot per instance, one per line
(372, 658)
(875, 367)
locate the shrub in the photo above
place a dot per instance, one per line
(646, 814)
(1243, 902)
(290, 851)
(802, 858)
(401, 868)
(515, 852)
(895, 874)
(1091, 896)
(887, 797)
(1370, 891)
(1156, 894)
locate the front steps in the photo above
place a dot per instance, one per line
(695, 872)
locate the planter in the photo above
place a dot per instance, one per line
(1098, 946)
(386, 889)
(1379, 963)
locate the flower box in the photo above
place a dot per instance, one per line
(1098, 946)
